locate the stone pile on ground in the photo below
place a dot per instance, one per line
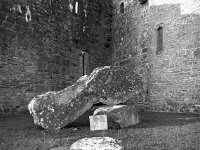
(109, 85)
(119, 115)
(97, 143)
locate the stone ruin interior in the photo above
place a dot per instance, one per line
(97, 66)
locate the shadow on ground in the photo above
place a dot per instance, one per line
(155, 119)
(148, 120)
(19, 132)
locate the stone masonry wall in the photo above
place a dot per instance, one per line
(174, 73)
(130, 40)
(40, 46)
(98, 33)
(41, 43)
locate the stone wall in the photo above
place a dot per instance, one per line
(41, 42)
(97, 33)
(174, 72)
(130, 40)
(171, 71)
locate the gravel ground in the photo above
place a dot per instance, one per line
(157, 131)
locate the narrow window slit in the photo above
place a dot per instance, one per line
(159, 47)
(122, 8)
(76, 8)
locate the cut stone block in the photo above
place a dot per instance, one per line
(98, 122)
(109, 85)
(124, 115)
(97, 143)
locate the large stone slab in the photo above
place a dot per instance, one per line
(109, 85)
(97, 143)
(123, 115)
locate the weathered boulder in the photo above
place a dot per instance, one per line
(110, 85)
(123, 115)
(97, 143)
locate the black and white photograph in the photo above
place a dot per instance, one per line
(99, 74)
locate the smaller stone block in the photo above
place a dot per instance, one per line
(98, 122)
(124, 115)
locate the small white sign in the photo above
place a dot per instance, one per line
(98, 122)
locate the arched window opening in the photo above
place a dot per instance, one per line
(76, 7)
(122, 8)
(159, 46)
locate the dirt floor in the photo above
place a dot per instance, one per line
(157, 131)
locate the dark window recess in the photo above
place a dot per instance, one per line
(109, 38)
(142, 1)
(75, 40)
(122, 8)
(107, 45)
(83, 64)
(83, 55)
(159, 46)
(144, 50)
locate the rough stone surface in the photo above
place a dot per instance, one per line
(170, 77)
(41, 43)
(97, 143)
(174, 73)
(130, 40)
(123, 115)
(110, 85)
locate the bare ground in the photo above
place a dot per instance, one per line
(157, 131)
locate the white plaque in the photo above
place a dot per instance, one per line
(98, 122)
